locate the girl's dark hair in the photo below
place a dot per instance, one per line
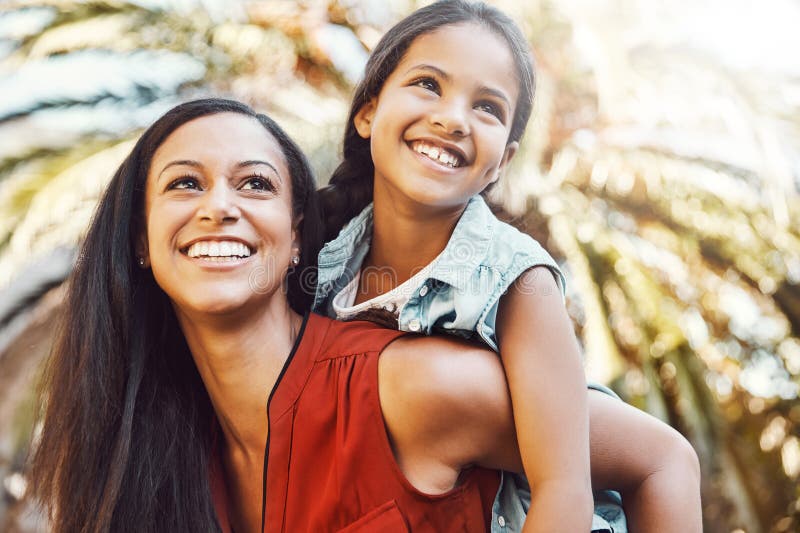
(350, 187)
(125, 442)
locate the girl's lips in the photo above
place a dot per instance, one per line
(446, 153)
(432, 164)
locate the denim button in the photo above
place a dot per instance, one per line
(414, 324)
(502, 521)
(424, 290)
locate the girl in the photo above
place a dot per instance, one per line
(439, 114)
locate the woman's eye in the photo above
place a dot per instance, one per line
(427, 84)
(185, 182)
(258, 183)
(491, 108)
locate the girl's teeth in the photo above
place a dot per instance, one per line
(439, 155)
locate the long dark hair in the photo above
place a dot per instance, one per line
(125, 442)
(351, 185)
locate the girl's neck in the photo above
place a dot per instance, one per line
(239, 359)
(406, 237)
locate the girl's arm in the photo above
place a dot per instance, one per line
(652, 465)
(446, 406)
(549, 400)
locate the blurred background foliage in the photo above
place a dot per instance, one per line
(662, 166)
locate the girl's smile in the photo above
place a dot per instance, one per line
(439, 128)
(442, 153)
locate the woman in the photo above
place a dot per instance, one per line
(183, 317)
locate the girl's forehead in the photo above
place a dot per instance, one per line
(448, 37)
(468, 51)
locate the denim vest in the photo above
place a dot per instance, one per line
(460, 297)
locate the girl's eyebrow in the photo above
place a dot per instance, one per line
(445, 76)
(435, 70)
(497, 94)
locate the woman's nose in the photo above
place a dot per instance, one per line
(219, 204)
(451, 118)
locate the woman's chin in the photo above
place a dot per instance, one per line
(217, 303)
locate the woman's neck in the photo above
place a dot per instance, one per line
(406, 238)
(240, 359)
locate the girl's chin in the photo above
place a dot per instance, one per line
(435, 199)
(433, 194)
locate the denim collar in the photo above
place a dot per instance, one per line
(356, 233)
(463, 254)
(468, 245)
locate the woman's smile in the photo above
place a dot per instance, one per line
(219, 253)
(221, 192)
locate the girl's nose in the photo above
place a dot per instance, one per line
(451, 118)
(219, 204)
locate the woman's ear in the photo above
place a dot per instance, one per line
(296, 242)
(508, 155)
(363, 119)
(142, 250)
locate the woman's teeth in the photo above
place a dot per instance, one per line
(219, 250)
(440, 155)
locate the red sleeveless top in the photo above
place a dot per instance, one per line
(329, 464)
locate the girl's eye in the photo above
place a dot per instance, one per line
(258, 183)
(491, 108)
(185, 182)
(427, 84)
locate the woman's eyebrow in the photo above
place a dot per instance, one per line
(197, 164)
(256, 162)
(181, 162)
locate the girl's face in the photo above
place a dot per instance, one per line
(439, 128)
(218, 212)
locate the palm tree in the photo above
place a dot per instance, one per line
(664, 178)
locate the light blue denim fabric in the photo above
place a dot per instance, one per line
(460, 297)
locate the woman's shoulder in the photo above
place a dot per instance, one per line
(335, 338)
(447, 397)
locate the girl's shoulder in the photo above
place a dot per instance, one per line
(497, 245)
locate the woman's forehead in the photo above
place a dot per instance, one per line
(220, 139)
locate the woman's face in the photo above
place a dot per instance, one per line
(218, 212)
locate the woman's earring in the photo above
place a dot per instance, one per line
(141, 262)
(295, 260)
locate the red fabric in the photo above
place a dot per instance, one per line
(330, 464)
